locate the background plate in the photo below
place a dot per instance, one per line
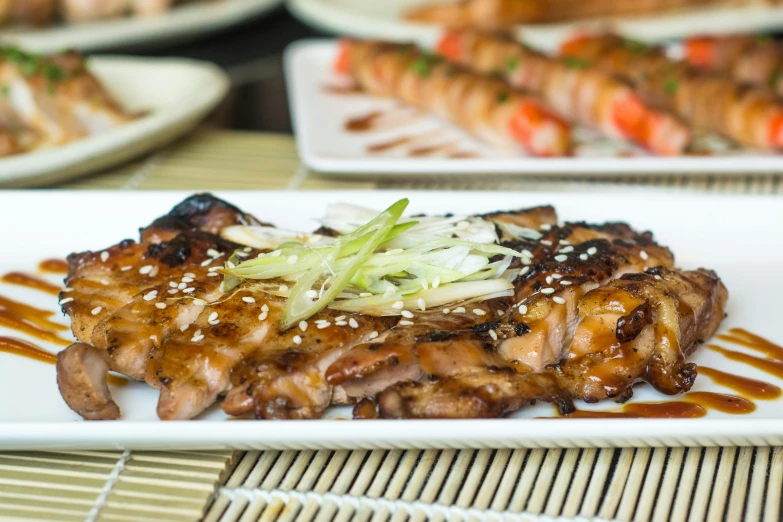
(731, 234)
(189, 22)
(176, 94)
(364, 19)
(320, 115)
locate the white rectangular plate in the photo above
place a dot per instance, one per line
(190, 21)
(735, 235)
(363, 19)
(320, 115)
(173, 94)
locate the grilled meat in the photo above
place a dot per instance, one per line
(636, 328)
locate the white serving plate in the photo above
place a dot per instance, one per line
(175, 95)
(364, 19)
(741, 248)
(191, 21)
(319, 116)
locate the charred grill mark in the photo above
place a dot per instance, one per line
(486, 327)
(631, 325)
(172, 253)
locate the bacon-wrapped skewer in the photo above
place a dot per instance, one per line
(750, 116)
(485, 106)
(502, 14)
(750, 59)
(584, 95)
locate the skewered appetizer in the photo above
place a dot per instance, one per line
(502, 14)
(47, 12)
(50, 101)
(487, 107)
(751, 117)
(585, 96)
(749, 59)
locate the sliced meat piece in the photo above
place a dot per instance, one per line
(81, 377)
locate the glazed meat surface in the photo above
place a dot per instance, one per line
(595, 309)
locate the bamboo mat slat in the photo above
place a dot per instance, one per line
(678, 484)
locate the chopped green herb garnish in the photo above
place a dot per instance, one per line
(33, 64)
(512, 63)
(576, 63)
(764, 39)
(670, 86)
(423, 64)
(635, 46)
(502, 97)
(5, 90)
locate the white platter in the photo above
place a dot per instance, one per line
(363, 19)
(188, 22)
(320, 115)
(175, 94)
(741, 249)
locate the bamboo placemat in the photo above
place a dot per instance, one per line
(678, 484)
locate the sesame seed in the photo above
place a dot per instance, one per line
(303, 325)
(398, 305)
(292, 259)
(549, 280)
(446, 310)
(184, 327)
(546, 242)
(561, 258)
(523, 309)
(197, 338)
(264, 308)
(340, 318)
(189, 290)
(241, 254)
(249, 299)
(189, 274)
(644, 255)
(173, 291)
(173, 284)
(187, 279)
(373, 335)
(160, 306)
(524, 270)
(479, 311)
(564, 242)
(182, 286)
(459, 310)
(499, 313)
(262, 316)
(213, 269)
(150, 296)
(556, 276)
(527, 253)
(353, 323)
(66, 301)
(146, 269)
(212, 317)
(545, 226)
(591, 251)
(97, 310)
(230, 265)
(126, 268)
(565, 282)
(558, 300)
(66, 290)
(104, 256)
(547, 291)
(213, 253)
(213, 274)
(583, 257)
(421, 303)
(323, 325)
(493, 335)
(297, 339)
(247, 249)
(340, 323)
(405, 323)
(406, 313)
(312, 294)
(206, 262)
(284, 288)
(659, 278)
(319, 321)
(567, 250)
(436, 282)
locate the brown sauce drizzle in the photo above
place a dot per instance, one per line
(30, 320)
(54, 266)
(31, 351)
(29, 281)
(390, 145)
(721, 402)
(646, 410)
(743, 385)
(343, 89)
(464, 155)
(754, 342)
(430, 150)
(769, 366)
(363, 123)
